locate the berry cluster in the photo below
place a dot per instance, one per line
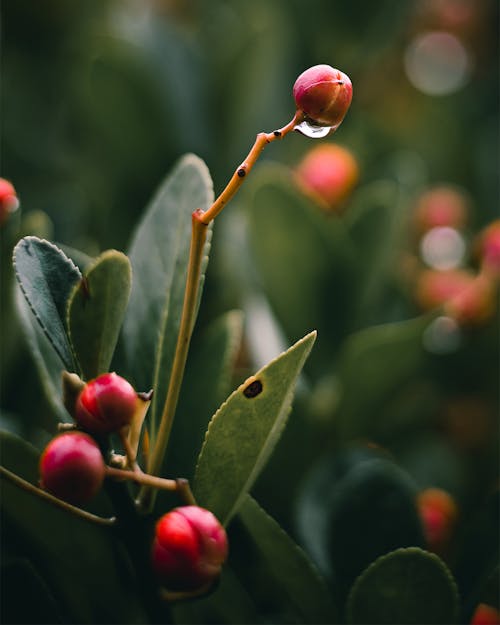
(190, 545)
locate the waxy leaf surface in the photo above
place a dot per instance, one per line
(96, 310)
(407, 586)
(159, 255)
(244, 431)
(47, 277)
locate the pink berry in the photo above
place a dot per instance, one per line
(106, 404)
(8, 199)
(189, 548)
(72, 467)
(485, 614)
(323, 94)
(328, 173)
(438, 513)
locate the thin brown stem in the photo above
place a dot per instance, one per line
(241, 172)
(55, 501)
(198, 238)
(139, 477)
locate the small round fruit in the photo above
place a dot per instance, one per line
(438, 513)
(72, 467)
(328, 173)
(8, 199)
(323, 94)
(189, 548)
(106, 404)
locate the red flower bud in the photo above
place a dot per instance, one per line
(328, 173)
(485, 615)
(72, 467)
(323, 94)
(189, 548)
(106, 404)
(438, 512)
(8, 199)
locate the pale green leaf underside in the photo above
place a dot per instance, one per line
(159, 255)
(298, 579)
(244, 431)
(47, 276)
(96, 309)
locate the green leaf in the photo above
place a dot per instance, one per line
(385, 359)
(159, 255)
(218, 346)
(376, 222)
(303, 258)
(96, 309)
(82, 563)
(407, 586)
(304, 591)
(47, 362)
(47, 276)
(244, 431)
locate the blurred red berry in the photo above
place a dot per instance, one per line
(106, 404)
(328, 173)
(440, 207)
(189, 548)
(466, 297)
(438, 513)
(72, 467)
(485, 615)
(8, 200)
(323, 94)
(489, 249)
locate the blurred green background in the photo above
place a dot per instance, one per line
(100, 98)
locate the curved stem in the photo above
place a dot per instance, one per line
(55, 501)
(240, 172)
(200, 221)
(198, 237)
(139, 477)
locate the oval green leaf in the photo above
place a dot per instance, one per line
(96, 309)
(302, 589)
(405, 587)
(159, 255)
(244, 431)
(47, 277)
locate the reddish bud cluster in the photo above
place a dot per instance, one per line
(467, 298)
(72, 467)
(323, 94)
(189, 548)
